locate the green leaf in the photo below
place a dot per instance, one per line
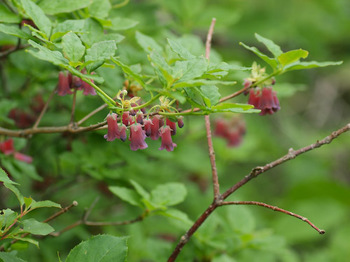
(10, 257)
(16, 192)
(201, 82)
(53, 7)
(272, 62)
(139, 189)
(38, 16)
(14, 30)
(271, 46)
(120, 23)
(35, 227)
(178, 48)
(101, 248)
(26, 169)
(168, 194)
(46, 54)
(26, 239)
(100, 8)
(101, 51)
(127, 195)
(177, 214)
(311, 64)
(6, 16)
(27, 201)
(147, 43)
(211, 94)
(45, 203)
(92, 32)
(190, 69)
(7, 218)
(72, 47)
(4, 178)
(292, 56)
(235, 108)
(128, 71)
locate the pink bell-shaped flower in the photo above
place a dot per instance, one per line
(137, 137)
(87, 89)
(22, 157)
(269, 103)
(139, 117)
(167, 142)
(113, 128)
(125, 118)
(172, 126)
(7, 147)
(122, 131)
(63, 87)
(155, 127)
(147, 126)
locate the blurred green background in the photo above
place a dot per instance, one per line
(313, 103)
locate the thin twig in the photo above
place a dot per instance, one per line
(216, 185)
(291, 154)
(43, 111)
(73, 106)
(274, 208)
(91, 114)
(254, 173)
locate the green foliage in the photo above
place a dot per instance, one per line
(100, 248)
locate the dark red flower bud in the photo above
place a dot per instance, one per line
(122, 129)
(137, 137)
(167, 142)
(113, 128)
(155, 127)
(23, 157)
(172, 126)
(7, 147)
(147, 126)
(77, 82)
(269, 103)
(139, 117)
(180, 122)
(63, 87)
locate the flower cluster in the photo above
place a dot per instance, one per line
(231, 130)
(140, 128)
(7, 148)
(67, 82)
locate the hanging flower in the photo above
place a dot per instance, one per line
(88, 89)
(180, 122)
(122, 131)
(172, 126)
(231, 130)
(125, 118)
(113, 128)
(139, 117)
(265, 100)
(7, 147)
(63, 87)
(137, 137)
(22, 157)
(167, 143)
(155, 127)
(147, 126)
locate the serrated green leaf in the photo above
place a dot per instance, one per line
(100, 8)
(92, 32)
(148, 43)
(6, 16)
(272, 62)
(311, 64)
(76, 26)
(292, 56)
(27, 201)
(168, 194)
(35, 227)
(121, 23)
(45, 203)
(53, 7)
(102, 248)
(46, 54)
(128, 71)
(4, 178)
(139, 189)
(176, 95)
(179, 49)
(10, 257)
(38, 16)
(127, 195)
(72, 47)
(101, 51)
(189, 69)
(14, 30)
(211, 93)
(271, 46)
(7, 218)
(194, 97)
(26, 239)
